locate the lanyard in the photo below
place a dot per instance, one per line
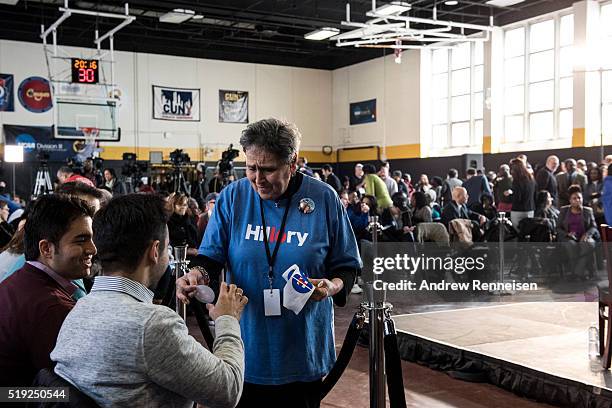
(272, 258)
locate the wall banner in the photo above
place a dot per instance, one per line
(38, 139)
(180, 104)
(35, 94)
(363, 112)
(7, 95)
(233, 106)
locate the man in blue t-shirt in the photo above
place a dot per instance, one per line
(262, 225)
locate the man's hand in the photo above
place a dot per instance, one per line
(483, 219)
(186, 286)
(231, 302)
(325, 288)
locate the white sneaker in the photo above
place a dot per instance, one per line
(356, 289)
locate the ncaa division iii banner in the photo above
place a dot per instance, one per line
(233, 106)
(181, 104)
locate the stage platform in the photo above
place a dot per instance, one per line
(536, 350)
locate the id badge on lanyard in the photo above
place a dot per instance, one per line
(272, 303)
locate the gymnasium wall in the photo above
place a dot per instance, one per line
(300, 95)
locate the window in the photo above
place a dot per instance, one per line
(538, 69)
(457, 94)
(606, 66)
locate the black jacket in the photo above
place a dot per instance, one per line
(334, 182)
(546, 180)
(453, 211)
(182, 231)
(523, 195)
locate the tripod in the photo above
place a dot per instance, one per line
(43, 183)
(180, 186)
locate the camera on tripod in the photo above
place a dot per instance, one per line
(133, 168)
(226, 164)
(178, 157)
(42, 156)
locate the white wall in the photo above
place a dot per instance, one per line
(396, 88)
(300, 95)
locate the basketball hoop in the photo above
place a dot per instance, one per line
(90, 134)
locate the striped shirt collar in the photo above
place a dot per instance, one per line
(63, 282)
(124, 285)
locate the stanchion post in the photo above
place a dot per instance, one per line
(502, 222)
(180, 268)
(376, 308)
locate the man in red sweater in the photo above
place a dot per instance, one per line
(35, 300)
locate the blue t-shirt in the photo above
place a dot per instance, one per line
(286, 348)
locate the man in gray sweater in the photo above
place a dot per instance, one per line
(120, 349)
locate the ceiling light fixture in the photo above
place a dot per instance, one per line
(503, 3)
(451, 2)
(322, 34)
(386, 25)
(393, 8)
(177, 16)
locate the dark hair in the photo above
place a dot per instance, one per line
(541, 199)
(382, 165)
(76, 188)
(400, 200)
(126, 226)
(574, 188)
(373, 204)
(65, 170)
(111, 171)
(280, 138)
(15, 245)
(599, 174)
(452, 173)
(327, 167)
(471, 171)
(519, 172)
(486, 196)
(420, 200)
(50, 218)
(369, 169)
(436, 181)
(3, 203)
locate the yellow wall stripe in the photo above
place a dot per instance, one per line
(578, 137)
(407, 151)
(486, 144)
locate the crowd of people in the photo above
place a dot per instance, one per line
(112, 339)
(113, 342)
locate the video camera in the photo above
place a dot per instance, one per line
(179, 158)
(226, 164)
(133, 168)
(42, 156)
